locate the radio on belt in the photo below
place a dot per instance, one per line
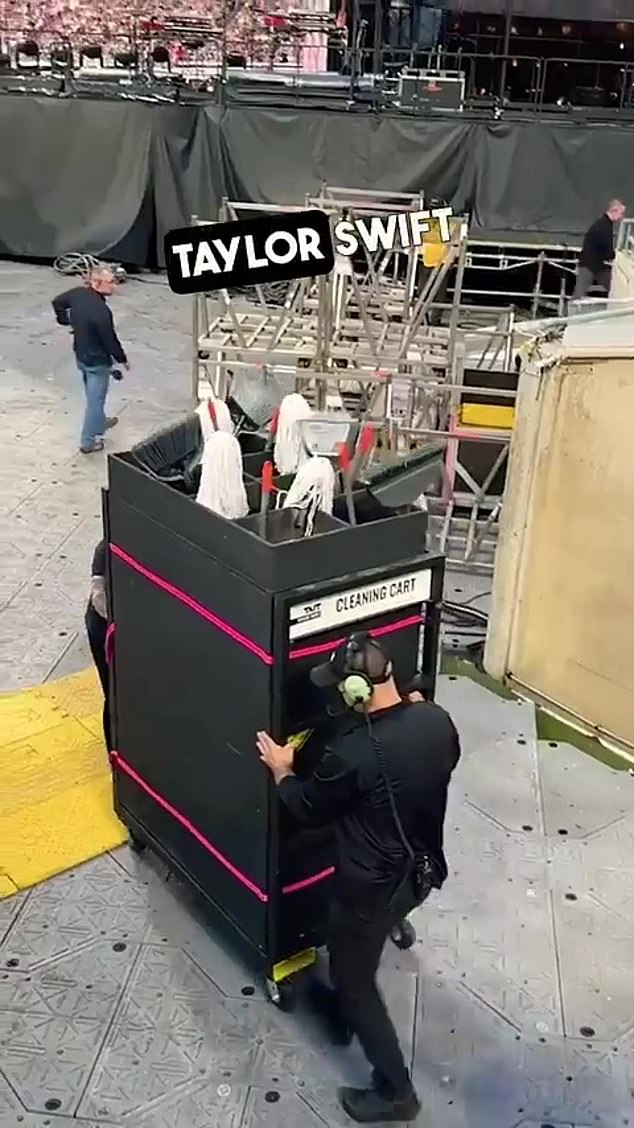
(216, 632)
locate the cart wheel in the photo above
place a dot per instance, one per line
(135, 844)
(282, 995)
(404, 935)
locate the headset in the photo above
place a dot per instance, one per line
(357, 687)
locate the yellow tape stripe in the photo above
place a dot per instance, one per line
(299, 739)
(494, 416)
(294, 964)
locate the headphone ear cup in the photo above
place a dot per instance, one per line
(356, 690)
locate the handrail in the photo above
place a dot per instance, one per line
(439, 62)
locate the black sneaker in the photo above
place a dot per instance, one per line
(94, 449)
(381, 1085)
(367, 1106)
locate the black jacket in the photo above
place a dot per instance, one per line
(95, 342)
(421, 749)
(598, 245)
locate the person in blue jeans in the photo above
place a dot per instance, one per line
(96, 347)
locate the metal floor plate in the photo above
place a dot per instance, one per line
(119, 1005)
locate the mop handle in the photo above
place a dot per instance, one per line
(265, 494)
(213, 414)
(364, 446)
(345, 463)
(270, 443)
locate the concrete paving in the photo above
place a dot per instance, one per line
(50, 501)
(119, 1006)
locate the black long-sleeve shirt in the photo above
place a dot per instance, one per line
(95, 341)
(421, 749)
(98, 591)
(598, 245)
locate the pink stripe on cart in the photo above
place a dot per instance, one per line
(193, 605)
(237, 636)
(119, 762)
(376, 632)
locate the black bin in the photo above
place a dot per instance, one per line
(216, 630)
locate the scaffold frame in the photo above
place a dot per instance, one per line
(361, 339)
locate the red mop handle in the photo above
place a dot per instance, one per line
(364, 446)
(345, 463)
(267, 477)
(265, 496)
(213, 415)
(267, 486)
(344, 458)
(366, 442)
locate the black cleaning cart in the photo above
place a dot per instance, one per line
(215, 630)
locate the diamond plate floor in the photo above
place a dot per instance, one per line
(119, 1008)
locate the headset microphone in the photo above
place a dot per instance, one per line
(357, 687)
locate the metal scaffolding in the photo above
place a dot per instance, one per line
(364, 339)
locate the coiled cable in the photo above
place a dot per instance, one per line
(76, 263)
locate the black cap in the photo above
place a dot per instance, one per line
(358, 654)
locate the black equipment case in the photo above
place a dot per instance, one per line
(214, 632)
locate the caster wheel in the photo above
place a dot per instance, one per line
(404, 935)
(282, 995)
(136, 845)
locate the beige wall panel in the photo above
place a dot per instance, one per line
(622, 287)
(572, 639)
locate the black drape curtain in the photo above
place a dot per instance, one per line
(111, 178)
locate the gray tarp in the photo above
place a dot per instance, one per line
(113, 177)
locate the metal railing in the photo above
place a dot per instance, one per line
(526, 83)
(531, 81)
(530, 84)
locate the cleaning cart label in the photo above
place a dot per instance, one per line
(356, 604)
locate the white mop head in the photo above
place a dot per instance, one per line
(221, 481)
(289, 452)
(214, 415)
(313, 487)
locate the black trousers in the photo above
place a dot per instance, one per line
(586, 278)
(96, 628)
(357, 936)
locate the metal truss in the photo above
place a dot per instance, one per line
(362, 339)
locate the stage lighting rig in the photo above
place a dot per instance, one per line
(27, 55)
(128, 60)
(91, 51)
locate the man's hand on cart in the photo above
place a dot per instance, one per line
(278, 758)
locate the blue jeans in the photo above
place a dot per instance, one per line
(96, 381)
